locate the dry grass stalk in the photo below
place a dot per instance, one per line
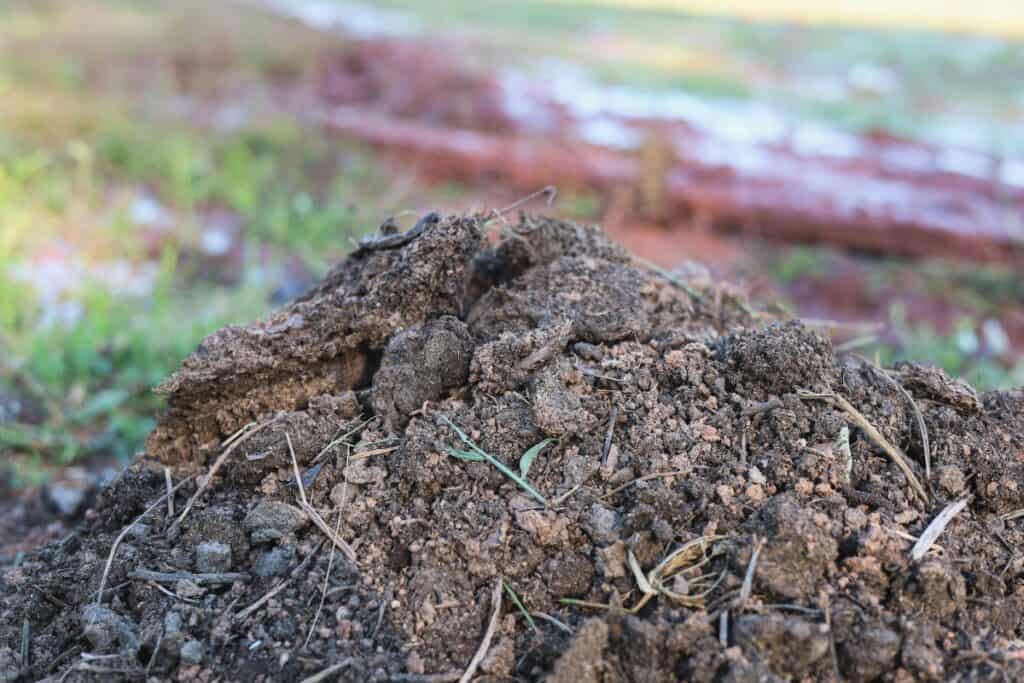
(609, 434)
(898, 457)
(312, 512)
(935, 529)
(329, 671)
(170, 487)
(233, 442)
(485, 644)
(748, 579)
(922, 429)
(342, 439)
(687, 558)
(330, 560)
(646, 477)
(124, 532)
(551, 620)
(1012, 515)
(376, 451)
(244, 614)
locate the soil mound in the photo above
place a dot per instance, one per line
(533, 455)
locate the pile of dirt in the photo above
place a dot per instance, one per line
(532, 450)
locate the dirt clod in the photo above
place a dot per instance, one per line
(668, 421)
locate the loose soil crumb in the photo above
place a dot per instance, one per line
(675, 423)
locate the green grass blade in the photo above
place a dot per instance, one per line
(515, 600)
(463, 455)
(525, 485)
(530, 455)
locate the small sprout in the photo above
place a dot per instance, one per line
(477, 454)
(530, 455)
(464, 455)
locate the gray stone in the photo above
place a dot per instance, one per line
(275, 562)
(68, 500)
(107, 631)
(602, 524)
(139, 531)
(10, 665)
(191, 652)
(172, 623)
(213, 557)
(271, 520)
(219, 523)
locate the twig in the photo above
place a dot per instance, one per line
(856, 343)
(446, 677)
(238, 439)
(794, 608)
(935, 529)
(376, 451)
(519, 605)
(608, 435)
(156, 650)
(672, 279)
(238, 433)
(329, 671)
(894, 453)
(748, 579)
(124, 532)
(171, 594)
(485, 644)
(199, 579)
(26, 640)
(385, 600)
(295, 467)
(565, 496)
(244, 614)
(312, 512)
(646, 477)
(549, 192)
(170, 498)
(342, 438)
(832, 639)
(918, 417)
(551, 620)
(337, 540)
(400, 239)
(1012, 515)
(756, 408)
(330, 560)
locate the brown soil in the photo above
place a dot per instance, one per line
(677, 421)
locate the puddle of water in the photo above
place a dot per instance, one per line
(356, 19)
(60, 271)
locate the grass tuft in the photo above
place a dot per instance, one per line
(477, 454)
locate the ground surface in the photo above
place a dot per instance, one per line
(505, 431)
(162, 173)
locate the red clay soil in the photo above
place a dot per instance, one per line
(888, 195)
(533, 459)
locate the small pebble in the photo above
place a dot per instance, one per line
(275, 562)
(271, 520)
(191, 652)
(213, 557)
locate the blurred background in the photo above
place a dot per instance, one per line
(169, 167)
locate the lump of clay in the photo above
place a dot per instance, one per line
(323, 343)
(421, 364)
(780, 358)
(797, 554)
(934, 384)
